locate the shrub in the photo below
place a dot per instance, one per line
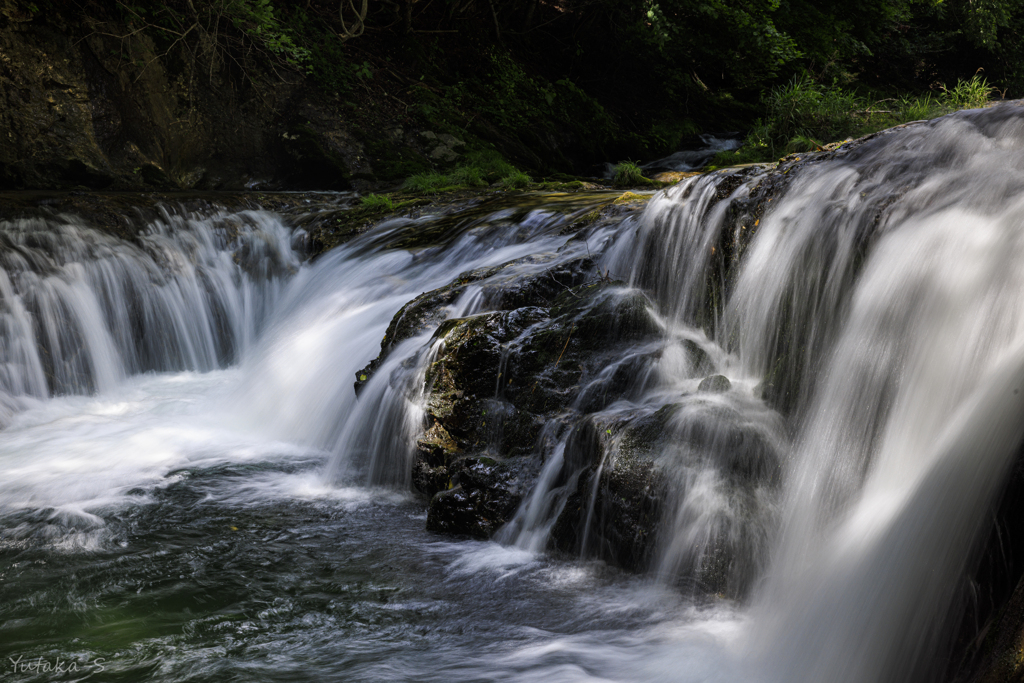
(909, 108)
(480, 168)
(516, 180)
(378, 202)
(803, 109)
(628, 173)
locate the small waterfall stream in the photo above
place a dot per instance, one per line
(824, 375)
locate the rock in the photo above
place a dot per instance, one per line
(615, 518)
(510, 291)
(715, 384)
(631, 474)
(483, 496)
(674, 176)
(501, 378)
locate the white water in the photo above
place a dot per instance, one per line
(884, 298)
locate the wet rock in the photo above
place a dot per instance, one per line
(504, 291)
(501, 378)
(715, 384)
(484, 494)
(630, 477)
(615, 506)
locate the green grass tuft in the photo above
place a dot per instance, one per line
(427, 182)
(628, 173)
(480, 169)
(377, 202)
(468, 175)
(516, 180)
(491, 165)
(970, 94)
(803, 115)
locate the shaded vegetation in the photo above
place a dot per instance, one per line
(801, 116)
(535, 87)
(628, 173)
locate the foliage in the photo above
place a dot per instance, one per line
(481, 168)
(968, 94)
(802, 116)
(257, 18)
(565, 85)
(917, 108)
(377, 202)
(734, 37)
(802, 108)
(467, 175)
(490, 164)
(428, 182)
(628, 173)
(215, 29)
(516, 180)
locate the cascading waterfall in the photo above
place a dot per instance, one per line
(876, 302)
(81, 309)
(881, 296)
(829, 383)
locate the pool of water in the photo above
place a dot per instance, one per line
(156, 542)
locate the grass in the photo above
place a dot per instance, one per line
(480, 169)
(428, 182)
(802, 116)
(628, 173)
(377, 202)
(969, 94)
(516, 180)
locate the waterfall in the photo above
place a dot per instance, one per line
(825, 372)
(877, 303)
(81, 309)
(882, 297)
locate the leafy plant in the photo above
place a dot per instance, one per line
(805, 109)
(258, 20)
(428, 182)
(628, 173)
(911, 108)
(377, 202)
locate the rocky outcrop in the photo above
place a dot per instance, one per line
(501, 383)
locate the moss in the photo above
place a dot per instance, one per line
(630, 198)
(340, 226)
(378, 202)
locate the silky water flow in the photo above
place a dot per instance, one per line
(193, 490)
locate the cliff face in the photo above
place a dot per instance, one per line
(87, 102)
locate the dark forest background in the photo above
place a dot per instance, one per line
(564, 85)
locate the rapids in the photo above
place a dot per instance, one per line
(192, 490)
